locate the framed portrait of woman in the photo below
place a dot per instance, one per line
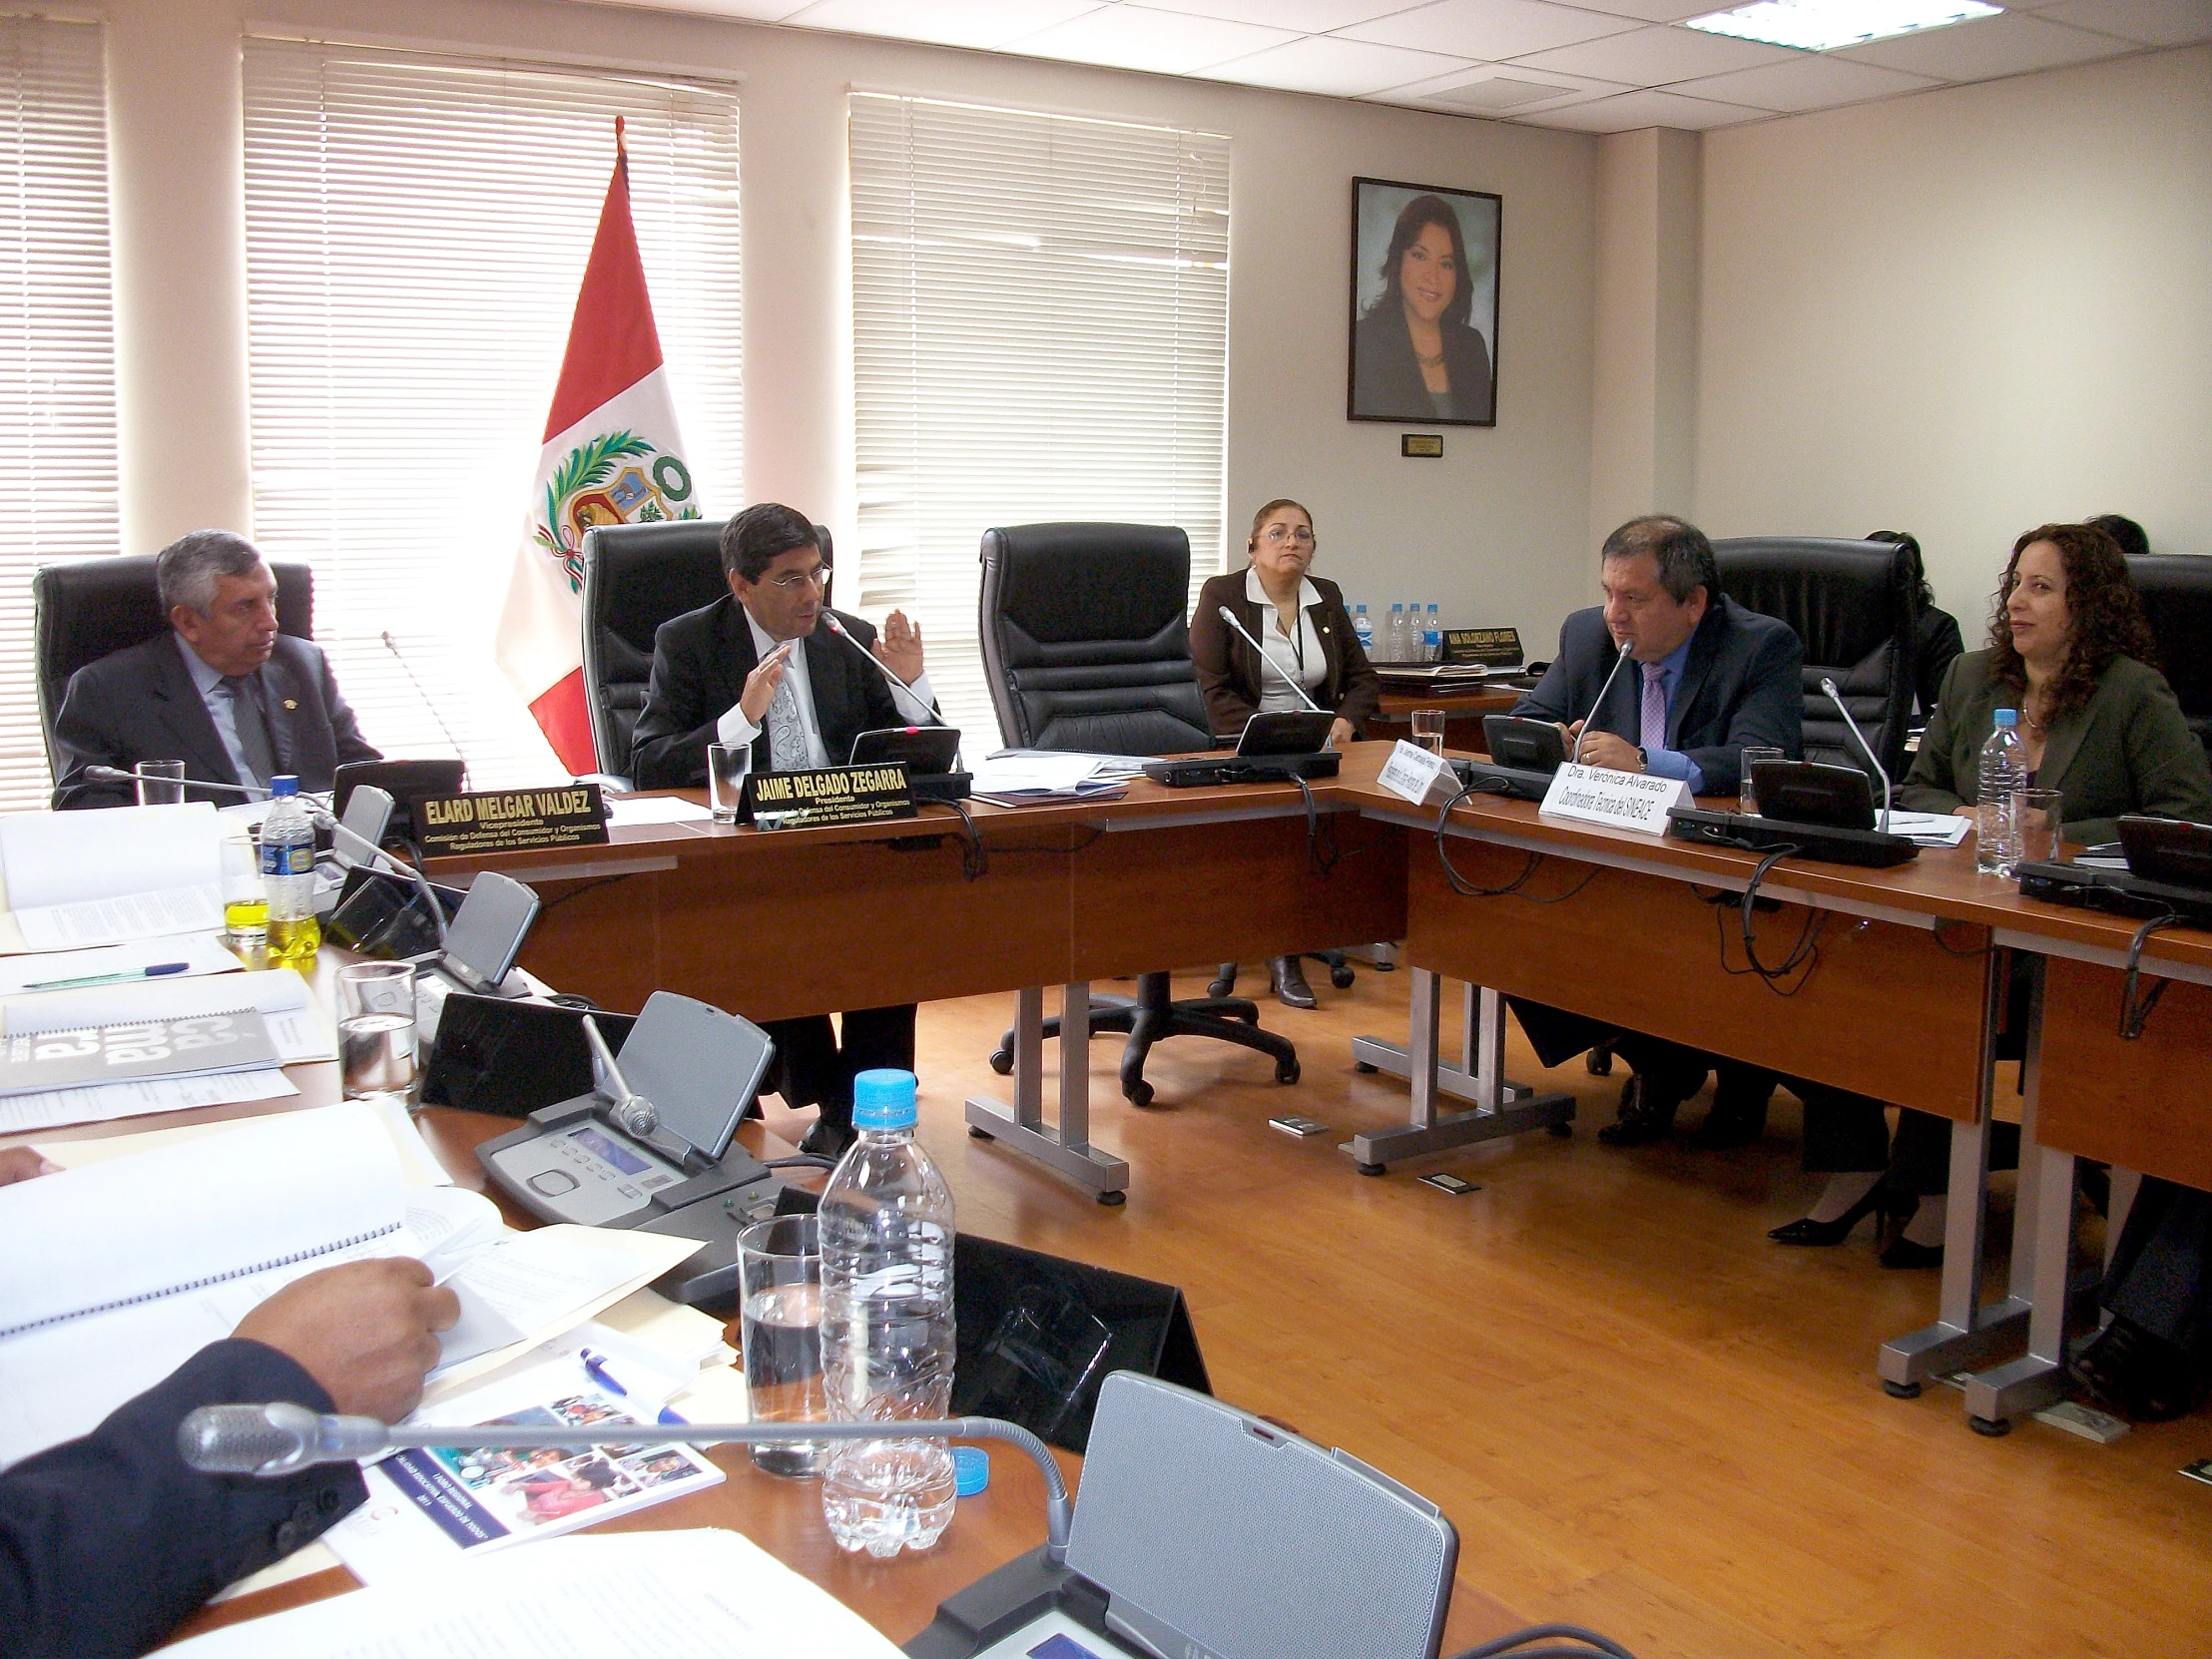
(1424, 304)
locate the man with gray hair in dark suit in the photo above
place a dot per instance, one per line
(223, 691)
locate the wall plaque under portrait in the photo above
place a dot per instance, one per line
(1424, 303)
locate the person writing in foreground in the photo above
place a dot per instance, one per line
(1705, 679)
(223, 691)
(1300, 622)
(764, 667)
(2069, 649)
(107, 1543)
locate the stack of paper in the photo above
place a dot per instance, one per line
(129, 872)
(1018, 776)
(1927, 828)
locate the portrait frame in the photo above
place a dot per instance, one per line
(1384, 378)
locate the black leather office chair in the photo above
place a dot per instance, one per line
(1085, 646)
(636, 577)
(1855, 608)
(2176, 591)
(85, 608)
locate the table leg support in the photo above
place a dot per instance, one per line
(1500, 1108)
(1066, 1150)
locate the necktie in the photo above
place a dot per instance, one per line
(787, 732)
(1654, 734)
(245, 716)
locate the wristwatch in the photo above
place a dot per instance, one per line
(1643, 760)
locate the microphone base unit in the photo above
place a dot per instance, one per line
(1514, 782)
(1868, 848)
(2115, 891)
(940, 786)
(1205, 772)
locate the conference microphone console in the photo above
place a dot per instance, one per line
(1824, 843)
(1203, 771)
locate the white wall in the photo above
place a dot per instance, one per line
(1964, 314)
(1497, 532)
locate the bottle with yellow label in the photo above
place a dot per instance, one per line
(287, 874)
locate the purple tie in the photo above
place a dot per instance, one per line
(1655, 707)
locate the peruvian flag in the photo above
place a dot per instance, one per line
(612, 456)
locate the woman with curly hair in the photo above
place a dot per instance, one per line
(2069, 649)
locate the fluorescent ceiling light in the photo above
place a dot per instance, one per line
(1821, 25)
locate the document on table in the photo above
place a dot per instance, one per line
(701, 1594)
(1013, 777)
(1929, 829)
(129, 872)
(300, 1031)
(530, 1287)
(201, 954)
(625, 809)
(105, 1102)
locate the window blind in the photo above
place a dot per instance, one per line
(1040, 312)
(57, 349)
(417, 230)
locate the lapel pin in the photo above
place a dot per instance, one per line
(291, 705)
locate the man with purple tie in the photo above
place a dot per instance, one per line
(1705, 680)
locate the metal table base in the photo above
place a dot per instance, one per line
(1064, 1148)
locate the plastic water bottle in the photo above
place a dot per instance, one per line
(287, 875)
(1997, 843)
(1362, 627)
(886, 1225)
(1393, 643)
(1432, 639)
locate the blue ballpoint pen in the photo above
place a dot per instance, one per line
(595, 1368)
(157, 971)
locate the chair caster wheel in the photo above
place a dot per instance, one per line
(1138, 1093)
(976, 1134)
(1286, 1072)
(1598, 1062)
(1220, 988)
(1991, 1429)
(1372, 1169)
(1340, 979)
(1560, 1131)
(1363, 1068)
(1002, 1061)
(1114, 1200)
(1901, 1390)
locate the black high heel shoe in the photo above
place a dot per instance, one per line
(1805, 1231)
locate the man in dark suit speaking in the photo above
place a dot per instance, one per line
(1705, 680)
(760, 667)
(224, 692)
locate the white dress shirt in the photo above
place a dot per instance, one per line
(1290, 657)
(734, 730)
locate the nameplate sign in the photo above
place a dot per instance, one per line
(1491, 647)
(831, 794)
(511, 820)
(1616, 800)
(1416, 775)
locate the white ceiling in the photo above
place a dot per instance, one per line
(1601, 66)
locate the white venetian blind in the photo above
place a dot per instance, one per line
(57, 349)
(1040, 310)
(417, 230)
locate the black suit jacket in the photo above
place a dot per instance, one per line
(1740, 686)
(1388, 383)
(107, 1543)
(700, 663)
(140, 704)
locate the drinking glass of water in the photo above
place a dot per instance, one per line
(376, 1028)
(159, 783)
(780, 1277)
(1428, 730)
(1748, 798)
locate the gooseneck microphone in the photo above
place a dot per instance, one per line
(1626, 647)
(1828, 689)
(1230, 617)
(282, 1438)
(391, 645)
(116, 774)
(930, 714)
(632, 1110)
(374, 854)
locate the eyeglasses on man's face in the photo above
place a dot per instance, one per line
(793, 581)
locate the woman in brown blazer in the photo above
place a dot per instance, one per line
(1301, 620)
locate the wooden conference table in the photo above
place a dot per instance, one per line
(1903, 1002)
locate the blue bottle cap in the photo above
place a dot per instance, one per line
(283, 785)
(971, 1470)
(883, 1099)
(2008, 717)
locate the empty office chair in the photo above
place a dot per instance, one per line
(2176, 591)
(1085, 646)
(1855, 608)
(86, 609)
(636, 577)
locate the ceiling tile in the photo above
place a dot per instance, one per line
(1654, 11)
(1137, 37)
(978, 23)
(1985, 48)
(1485, 90)
(2152, 22)
(1632, 110)
(751, 11)
(1490, 29)
(1343, 68)
(1312, 16)
(1653, 57)
(1812, 83)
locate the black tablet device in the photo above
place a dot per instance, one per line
(1808, 791)
(926, 751)
(1526, 745)
(406, 781)
(2168, 850)
(1286, 732)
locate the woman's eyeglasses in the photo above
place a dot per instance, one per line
(1275, 535)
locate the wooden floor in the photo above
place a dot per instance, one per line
(1640, 1415)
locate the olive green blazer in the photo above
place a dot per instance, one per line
(2128, 751)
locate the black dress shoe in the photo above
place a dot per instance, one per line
(1646, 1114)
(2141, 1377)
(829, 1138)
(1739, 1114)
(1904, 1252)
(1805, 1231)
(1291, 988)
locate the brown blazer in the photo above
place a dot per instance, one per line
(1229, 669)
